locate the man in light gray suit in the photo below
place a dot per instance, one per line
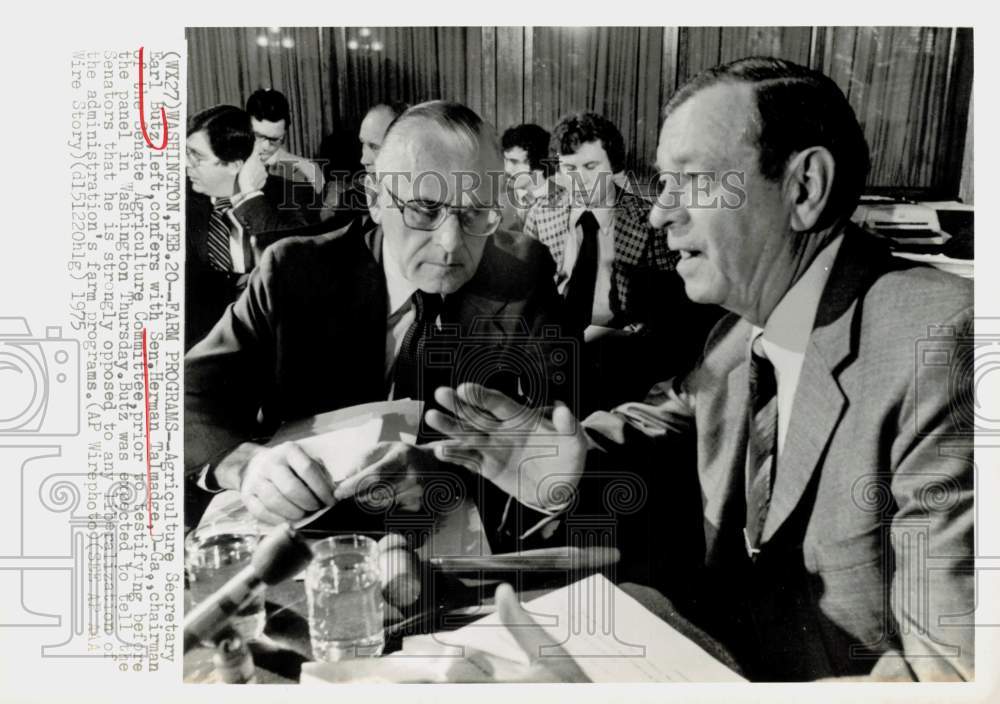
(830, 411)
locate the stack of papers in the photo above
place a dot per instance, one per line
(610, 636)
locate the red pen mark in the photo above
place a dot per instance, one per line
(149, 462)
(142, 111)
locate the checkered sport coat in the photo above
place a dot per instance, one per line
(638, 250)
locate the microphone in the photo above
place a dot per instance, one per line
(279, 556)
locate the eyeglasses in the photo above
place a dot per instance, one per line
(195, 160)
(428, 215)
(273, 141)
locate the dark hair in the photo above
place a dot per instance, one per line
(228, 130)
(798, 108)
(581, 127)
(269, 105)
(534, 140)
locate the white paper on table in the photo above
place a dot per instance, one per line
(610, 635)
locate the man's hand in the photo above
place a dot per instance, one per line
(252, 174)
(539, 466)
(284, 483)
(391, 472)
(547, 660)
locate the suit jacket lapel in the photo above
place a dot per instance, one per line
(722, 478)
(819, 400)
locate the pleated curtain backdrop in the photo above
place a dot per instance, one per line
(910, 86)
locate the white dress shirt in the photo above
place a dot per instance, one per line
(787, 330)
(602, 313)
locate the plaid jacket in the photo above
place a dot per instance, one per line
(638, 249)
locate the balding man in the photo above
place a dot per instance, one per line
(333, 321)
(830, 412)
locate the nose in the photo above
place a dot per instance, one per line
(666, 212)
(366, 157)
(449, 234)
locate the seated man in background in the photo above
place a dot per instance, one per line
(528, 167)
(338, 320)
(616, 277)
(834, 448)
(345, 201)
(233, 209)
(270, 118)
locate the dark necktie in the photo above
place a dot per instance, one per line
(406, 376)
(218, 236)
(580, 289)
(762, 444)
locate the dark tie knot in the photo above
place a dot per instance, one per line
(427, 305)
(763, 384)
(588, 221)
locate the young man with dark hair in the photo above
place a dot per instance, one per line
(233, 207)
(270, 118)
(616, 278)
(527, 166)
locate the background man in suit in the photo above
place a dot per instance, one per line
(345, 202)
(333, 321)
(231, 204)
(270, 117)
(527, 165)
(614, 275)
(830, 410)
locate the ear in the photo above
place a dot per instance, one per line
(234, 166)
(808, 180)
(371, 189)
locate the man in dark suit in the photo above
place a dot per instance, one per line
(231, 206)
(617, 279)
(340, 319)
(830, 412)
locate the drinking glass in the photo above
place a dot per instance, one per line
(344, 592)
(214, 554)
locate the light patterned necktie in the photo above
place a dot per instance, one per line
(219, 255)
(762, 448)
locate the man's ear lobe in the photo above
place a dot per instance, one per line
(809, 176)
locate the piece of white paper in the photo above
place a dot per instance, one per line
(611, 636)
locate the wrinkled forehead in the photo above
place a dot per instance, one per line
(422, 161)
(714, 127)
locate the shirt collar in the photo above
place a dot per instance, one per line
(400, 288)
(790, 324)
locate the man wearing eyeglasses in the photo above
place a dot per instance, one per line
(234, 209)
(270, 117)
(339, 320)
